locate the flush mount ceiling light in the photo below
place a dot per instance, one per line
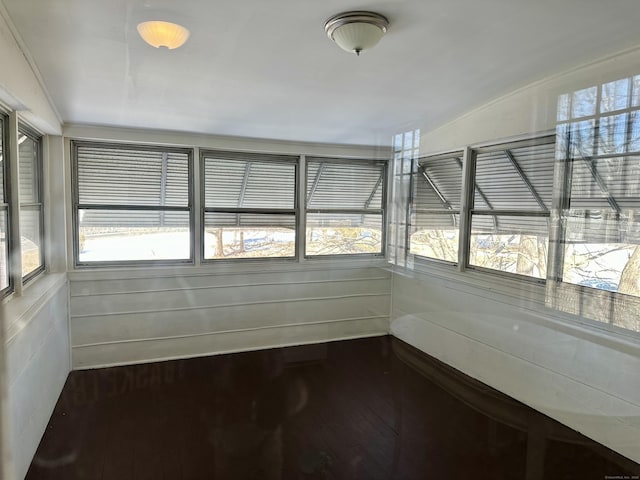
(356, 31)
(163, 34)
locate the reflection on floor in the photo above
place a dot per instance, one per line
(359, 409)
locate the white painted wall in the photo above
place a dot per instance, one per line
(36, 340)
(583, 374)
(20, 84)
(133, 316)
(38, 362)
(529, 110)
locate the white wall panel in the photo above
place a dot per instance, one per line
(158, 300)
(585, 381)
(38, 365)
(225, 342)
(141, 317)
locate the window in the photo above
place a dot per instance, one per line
(249, 203)
(345, 206)
(600, 130)
(132, 204)
(406, 148)
(512, 200)
(31, 207)
(5, 278)
(435, 207)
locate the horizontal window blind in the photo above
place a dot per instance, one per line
(346, 184)
(518, 178)
(437, 187)
(132, 176)
(255, 182)
(28, 168)
(239, 220)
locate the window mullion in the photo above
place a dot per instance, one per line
(197, 210)
(15, 253)
(466, 205)
(301, 206)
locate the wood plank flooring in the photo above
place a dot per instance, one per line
(360, 409)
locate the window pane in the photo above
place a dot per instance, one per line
(31, 239)
(4, 251)
(344, 185)
(615, 95)
(28, 169)
(248, 184)
(514, 244)
(128, 176)
(596, 183)
(563, 108)
(341, 234)
(240, 235)
(123, 235)
(3, 163)
(612, 135)
(601, 250)
(515, 178)
(438, 183)
(584, 102)
(582, 138)
(436, 236)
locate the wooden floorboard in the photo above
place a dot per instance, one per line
(359, 409)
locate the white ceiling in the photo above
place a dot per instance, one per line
(259, 68)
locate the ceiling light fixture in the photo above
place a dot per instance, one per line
(356, 31)
(163, 34)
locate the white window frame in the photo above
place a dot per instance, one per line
(364, 211)
(34, 136)
(77, 206)
(248, 157)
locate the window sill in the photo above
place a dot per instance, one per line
(225, 268)
(528, 296)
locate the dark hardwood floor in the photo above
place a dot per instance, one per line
(360, 409)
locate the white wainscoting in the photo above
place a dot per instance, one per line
(134, 316)
(582, 377)
(38, 364)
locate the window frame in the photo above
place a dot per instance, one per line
(565, 168)
(76, 206)
(413, 208)
(39, 172)
(383, 211)
(470, 190)
(5, 204)
(248, 157)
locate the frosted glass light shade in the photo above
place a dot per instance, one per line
(356, 31)
(356, 37)
(163, 34)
